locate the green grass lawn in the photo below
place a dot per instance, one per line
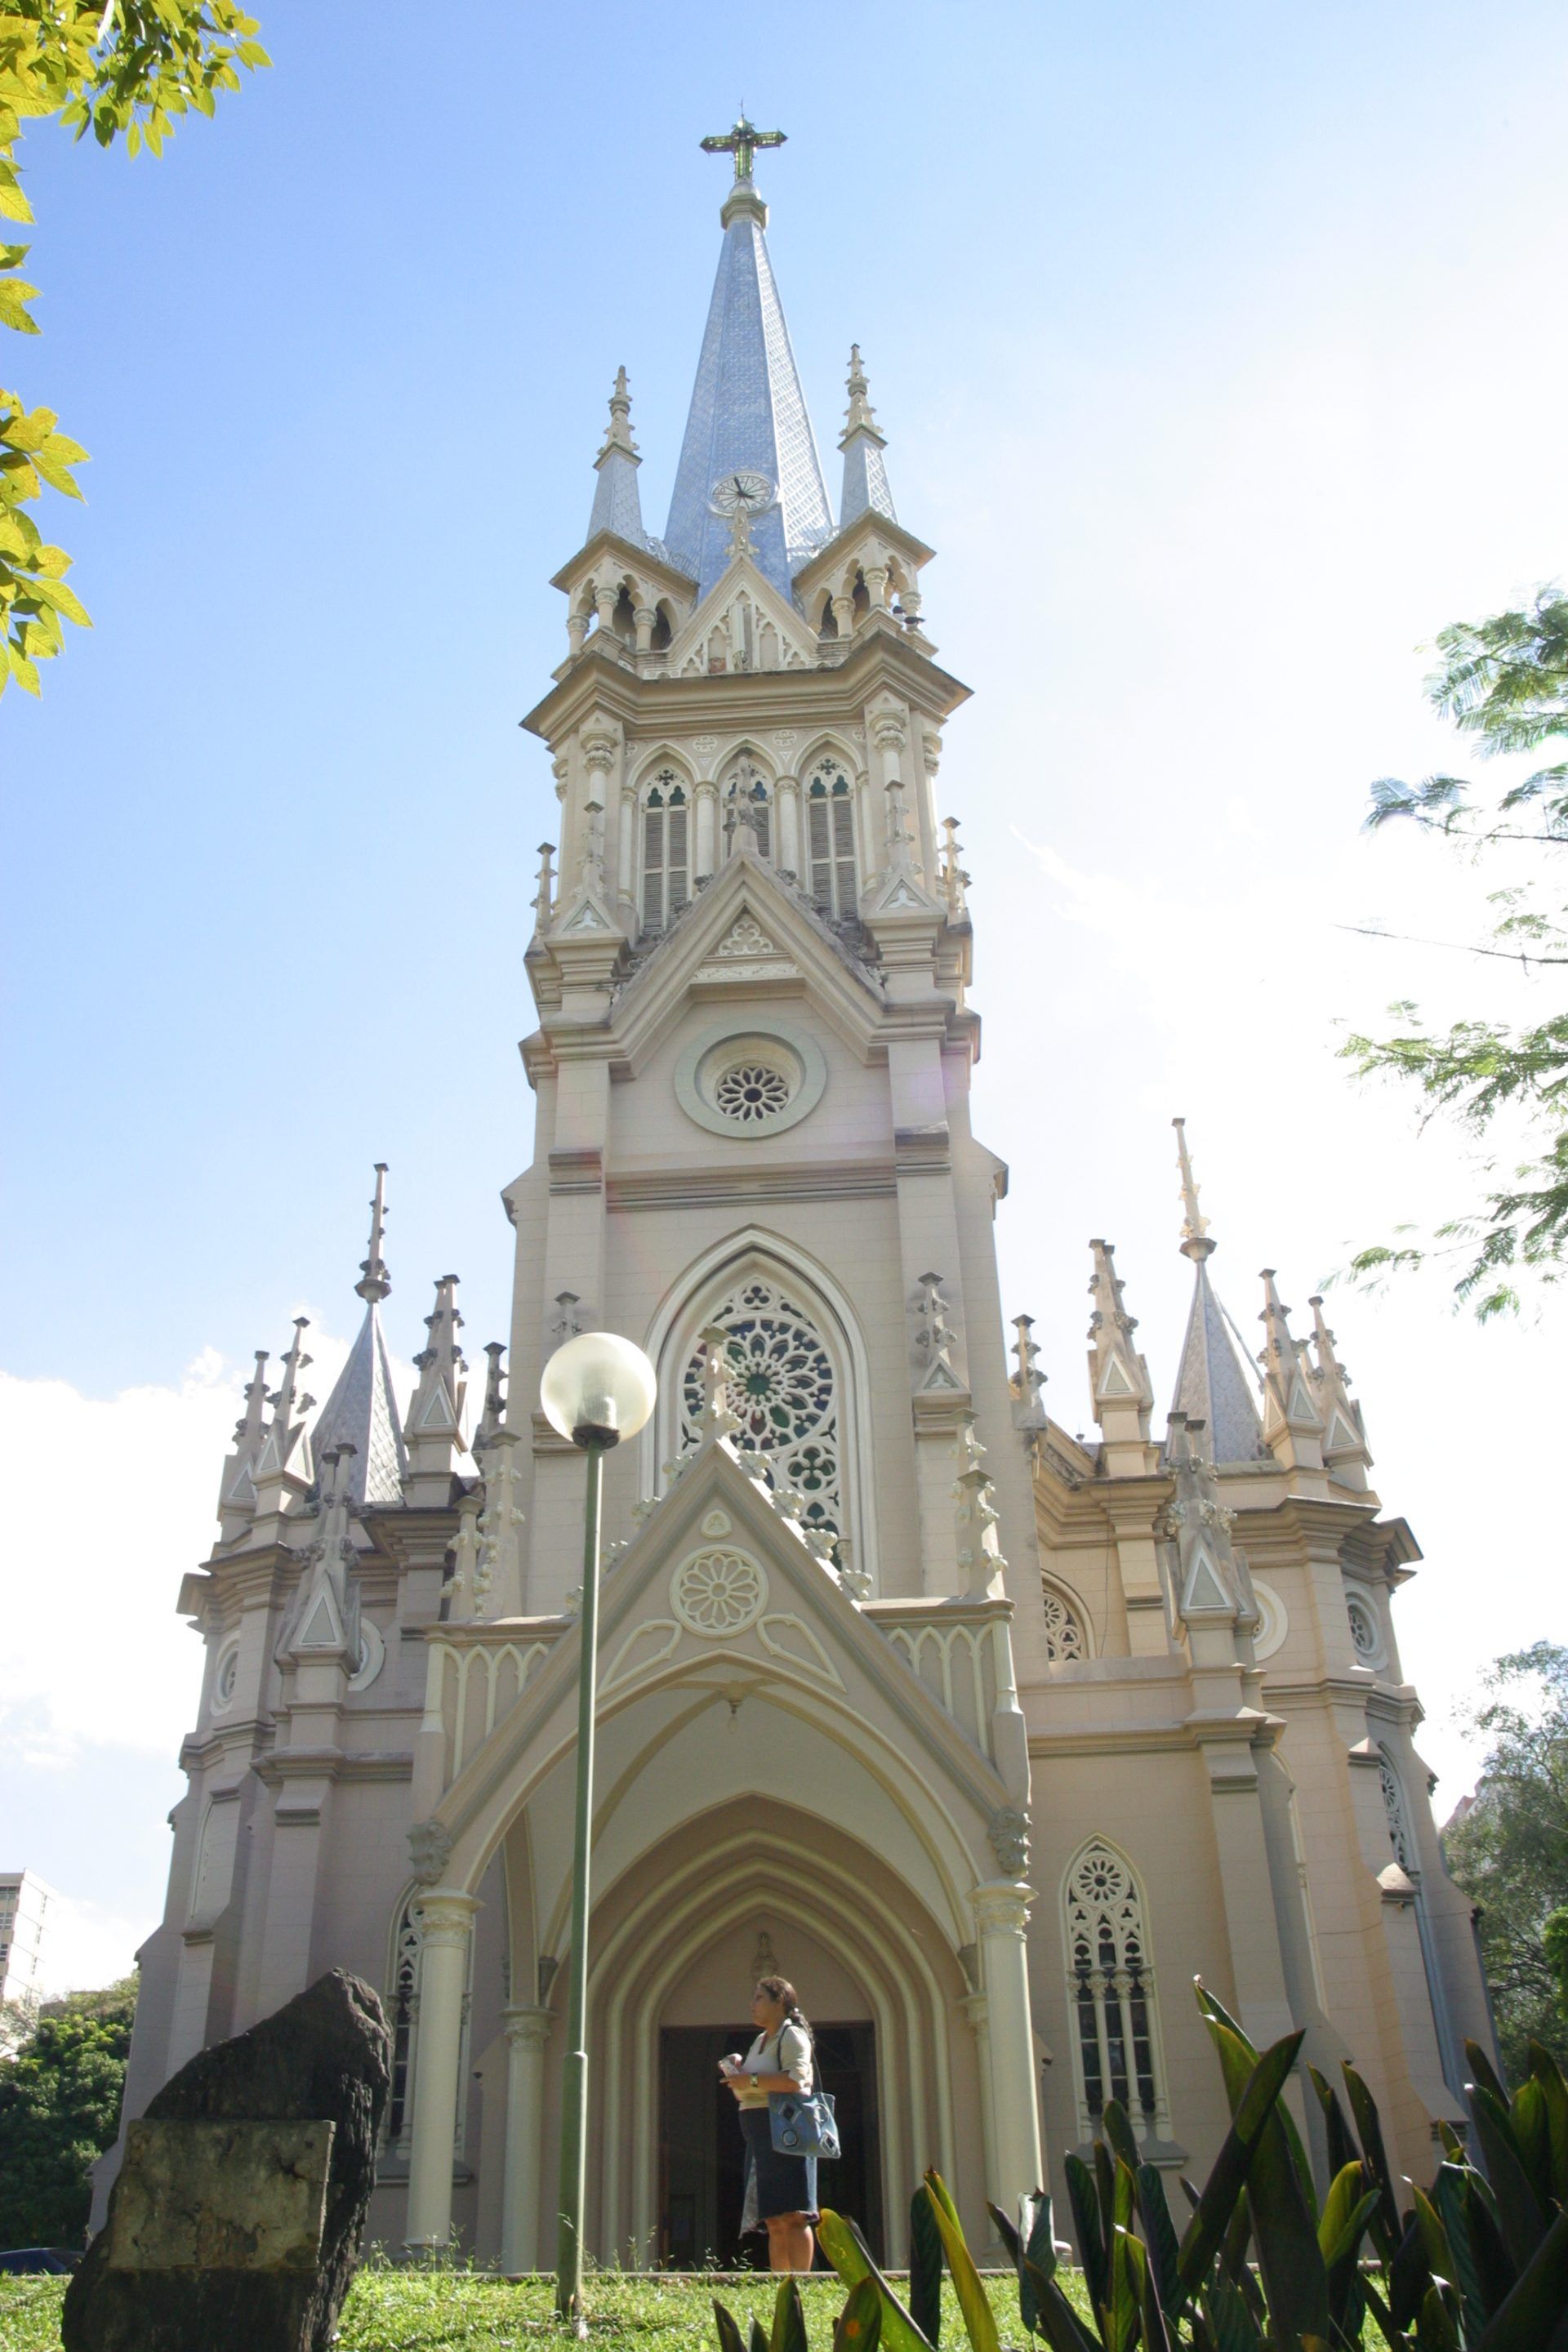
(430, 2311)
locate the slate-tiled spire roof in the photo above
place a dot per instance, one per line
(748, 413)
(1213, 1384)
(362, 1406)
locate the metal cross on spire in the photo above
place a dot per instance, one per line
(742, 142)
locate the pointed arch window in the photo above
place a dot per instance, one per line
(830, 842)
(783, 1385)
(665, 851)
(747, 800)
(1111, 1989)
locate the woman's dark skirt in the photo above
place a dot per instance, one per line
(775, 2184)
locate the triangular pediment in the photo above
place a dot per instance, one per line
(1341, 1438)
(1301, 1407)
(746, 928)
(320, 1630)
(741, 625)
(718, 1591)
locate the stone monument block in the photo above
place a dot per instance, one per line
(236, 2216)
(221, 2196)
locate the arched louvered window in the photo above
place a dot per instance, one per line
(1110, 1987)
(747, 800)
(830, 840)
(665, 851)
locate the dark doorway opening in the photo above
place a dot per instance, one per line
(702, 2181)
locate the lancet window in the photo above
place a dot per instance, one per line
(830, 840)
(1110, 1987)
(783, 1385)
(746, 801)
(404, 2010)
(665, 851)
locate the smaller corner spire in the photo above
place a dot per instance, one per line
(1194, 1243)
(1119, 1377)
(865, 489)
(374, 1281)
(617, 502)
(1346, 1449)
(237, 1487)
(285, 1457)
(433, 1431)
(1292, 1425)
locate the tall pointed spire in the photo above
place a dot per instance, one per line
(865, 472)
(361, 1411)
(748, 412)
(1213, 1384)
(286, 1449)
(617, 504)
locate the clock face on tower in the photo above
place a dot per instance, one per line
(739, 493)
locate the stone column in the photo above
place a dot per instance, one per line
(789, 849)
(527, 2032)
(973, 2008)
(445, 1922)
(1001, 1908)
(706, 842)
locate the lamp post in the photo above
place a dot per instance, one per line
(596, 1389)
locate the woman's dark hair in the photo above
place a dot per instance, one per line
(781, 1988)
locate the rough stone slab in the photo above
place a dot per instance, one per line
(221, 2196)
(324, 2059)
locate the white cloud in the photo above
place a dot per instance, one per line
(111, 1500)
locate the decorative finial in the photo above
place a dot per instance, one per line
(742, 143)
(1029, 1379)
(495, 1403)
(544, 895)
(375, 1282)
(1194, 1230)
(618, 435)
(861, 411)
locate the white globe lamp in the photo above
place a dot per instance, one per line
(597, 1389)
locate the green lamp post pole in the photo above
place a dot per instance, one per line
(575, 2081)
(596, 1389)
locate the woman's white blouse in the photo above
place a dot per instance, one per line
(791, 2055)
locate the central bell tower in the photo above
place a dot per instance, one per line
(751, 968)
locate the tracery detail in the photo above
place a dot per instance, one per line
(1064, 1634)
(780, 1384)
(719, 1592)
(752, 1091)
(1111, 1988)
(1394, 1807)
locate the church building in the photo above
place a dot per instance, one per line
(990, 1738)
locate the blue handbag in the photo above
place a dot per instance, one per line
(802, 2122)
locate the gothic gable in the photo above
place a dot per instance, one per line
(743, 623)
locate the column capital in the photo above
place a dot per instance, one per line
(1000, 1906)
(527, 2026)
(445, 1916)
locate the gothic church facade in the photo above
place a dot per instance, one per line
(992, 1738)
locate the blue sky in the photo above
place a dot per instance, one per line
(1219, 357)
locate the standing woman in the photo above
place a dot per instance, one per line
(781, 2190)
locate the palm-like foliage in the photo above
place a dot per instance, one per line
(1478, 2263)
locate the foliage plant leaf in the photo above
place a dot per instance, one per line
(1295, 2279)
(1369, 2130)
(1218, 2202)
(1083, 2195)
(1535, 2316)
(925, 2268)
(978, 2319)
(1554, 2091)
(789, 2333)
(846, 2250)
(730, 2336)
(860, 2323)
(1520, 2217)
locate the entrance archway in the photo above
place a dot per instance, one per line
(676, 1940)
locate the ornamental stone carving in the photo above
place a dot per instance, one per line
(719, 1592)
(1008, 1832)
(429, 1848)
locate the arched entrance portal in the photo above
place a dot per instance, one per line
(699, 2180)
(678, 1940)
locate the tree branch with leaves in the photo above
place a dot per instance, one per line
(120, 69)
(1502, 682)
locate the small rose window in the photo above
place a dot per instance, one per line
(751, 1091)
